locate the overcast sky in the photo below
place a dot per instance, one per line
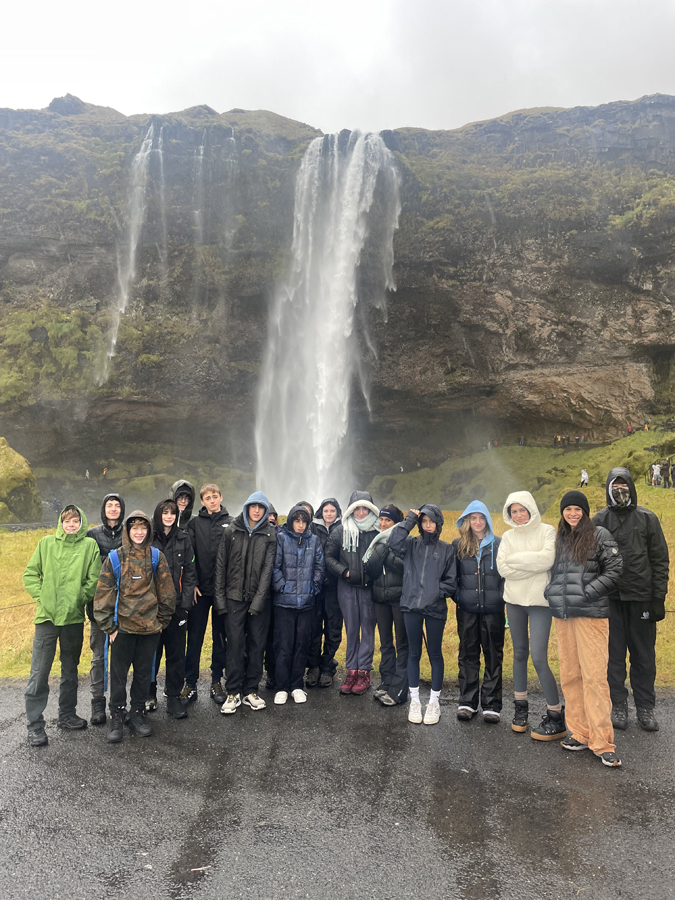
(368, 64)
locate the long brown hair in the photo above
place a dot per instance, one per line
(577, 544)
(469, 543)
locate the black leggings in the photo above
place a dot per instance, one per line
(435, 628)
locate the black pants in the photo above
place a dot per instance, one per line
(478, 631)
(246, 637)
(270, 664)
(137, 650)
(292, 633)
(69, 638)
(629, 631)
(196, 629)
(414, 623)
(327, 625)
(393, 656)
(172, 640)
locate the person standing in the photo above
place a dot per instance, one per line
(183, 492)
(665, 472)
(328, 626)
(524, 559)
(584, 478)
(429, 578)
(638, 602)
(587, 567)
(108, 536)
(480, 615)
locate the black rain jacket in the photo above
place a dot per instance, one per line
(244, 565)
(339, 561)
(385, 570)
(582, 590)
(184, 487)
(106, 537)
(177, 549)
(319, 529)
(205, 533)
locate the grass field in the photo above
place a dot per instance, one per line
(548, 473)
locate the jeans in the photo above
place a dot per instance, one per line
(292, 633)
(137, 650)
(198, 618)
(69, 638)
(414, 623)
(393, 657)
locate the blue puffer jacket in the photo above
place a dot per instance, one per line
(298, 568)
(480, 587)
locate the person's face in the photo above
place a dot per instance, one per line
(478, 524)
(361, 512)
(71, 526)
(573, 515)
(255, 512)
(138, 532)
(272, 519)
(299, 525)
(329, 514)
(386, 523)
(428, 524)
(182, 501)
(113, 510)
(212, 500)
(519, 514)
(168, 518)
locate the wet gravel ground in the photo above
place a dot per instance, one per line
(338, 798)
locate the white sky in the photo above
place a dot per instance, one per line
(368, 64)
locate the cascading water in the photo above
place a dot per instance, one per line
(198, 216)
(312, 354)
(126, 257)
(163, 255)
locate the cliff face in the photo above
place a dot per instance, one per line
(534, 264)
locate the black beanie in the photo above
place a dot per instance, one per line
(575, 498)
(390, 512)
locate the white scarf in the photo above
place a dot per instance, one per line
(352, 528)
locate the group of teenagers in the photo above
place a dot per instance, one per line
(280, 596)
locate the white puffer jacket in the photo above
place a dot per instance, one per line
(526, 554)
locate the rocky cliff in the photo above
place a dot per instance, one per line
(534, 264)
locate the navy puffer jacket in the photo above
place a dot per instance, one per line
(583, 590)
(298, 568)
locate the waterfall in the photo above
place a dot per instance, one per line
(163, 255)
(198, 217)
(126, 256)
(312, 354)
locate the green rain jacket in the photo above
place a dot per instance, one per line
(62, 575)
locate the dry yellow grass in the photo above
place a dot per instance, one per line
(16, 625)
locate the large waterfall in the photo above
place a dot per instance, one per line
(313, 353)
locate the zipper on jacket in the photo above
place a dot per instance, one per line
(564, 595)
(424, 566)
(480, 605)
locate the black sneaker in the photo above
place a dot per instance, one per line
(37, 738)
(647, 719)
(175, 708)
(552, 727)
(138, 723)
(189, 694)
(571, 743)
(326, 680)
(217, 694)
(610, 759)
(72, 722)
(520, 716)
(115, 731)
(98, 716)
(312, 678)
(620, 715)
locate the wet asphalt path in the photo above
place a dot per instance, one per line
(339, 798)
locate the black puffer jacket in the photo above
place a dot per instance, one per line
(106, 537)
(480, 589)
(642, 545)
(319, 529)
(205, 533)
(583, 590)
(429, 565)
(340, 561)
(180, 556)
(244, 565)
(184, 487)
(385, 570)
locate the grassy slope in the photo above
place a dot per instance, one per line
(499, 471)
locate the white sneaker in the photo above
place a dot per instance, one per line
(415, 712)
(432, 714)
(299, 695)
(254, 701)
(231, 704)
(280, 697)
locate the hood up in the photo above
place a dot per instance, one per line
(184, 487)
(256, 497)
(332, 502)
(157, 523)
(81, 531)
(435, 514)
(297, 510)
(525, 499)
(620, 472)
(104, 520)
(126, 540)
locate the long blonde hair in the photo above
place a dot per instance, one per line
(469, 542)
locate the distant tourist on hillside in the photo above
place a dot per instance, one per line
(637, 603)
(665, 473)
(656, 474)
(584, 478)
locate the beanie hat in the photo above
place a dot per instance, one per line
(575, 498)
(390, 513)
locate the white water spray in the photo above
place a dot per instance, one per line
(126, 256)
(163, 254)
(312, 354)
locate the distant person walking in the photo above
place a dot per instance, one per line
(584, 478)
(665, 473)
(86, 474)
(656, 474)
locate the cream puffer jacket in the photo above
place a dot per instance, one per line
(526, 554)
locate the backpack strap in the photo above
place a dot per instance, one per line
(114, 558)
(155, 560)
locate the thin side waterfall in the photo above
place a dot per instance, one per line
(126, 256)
(312, 356)
(162, 201)
(198, 216)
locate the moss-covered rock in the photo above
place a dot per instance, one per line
(19, 493)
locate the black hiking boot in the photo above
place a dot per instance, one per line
(175, 708)
(37, 738)
(138, 724)
(326, 680)
(647, 719)
(552, 727)
(520, 716)
(312, 678)
(620, 715)
(115, 726)
(71, 722)
(98, 716)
